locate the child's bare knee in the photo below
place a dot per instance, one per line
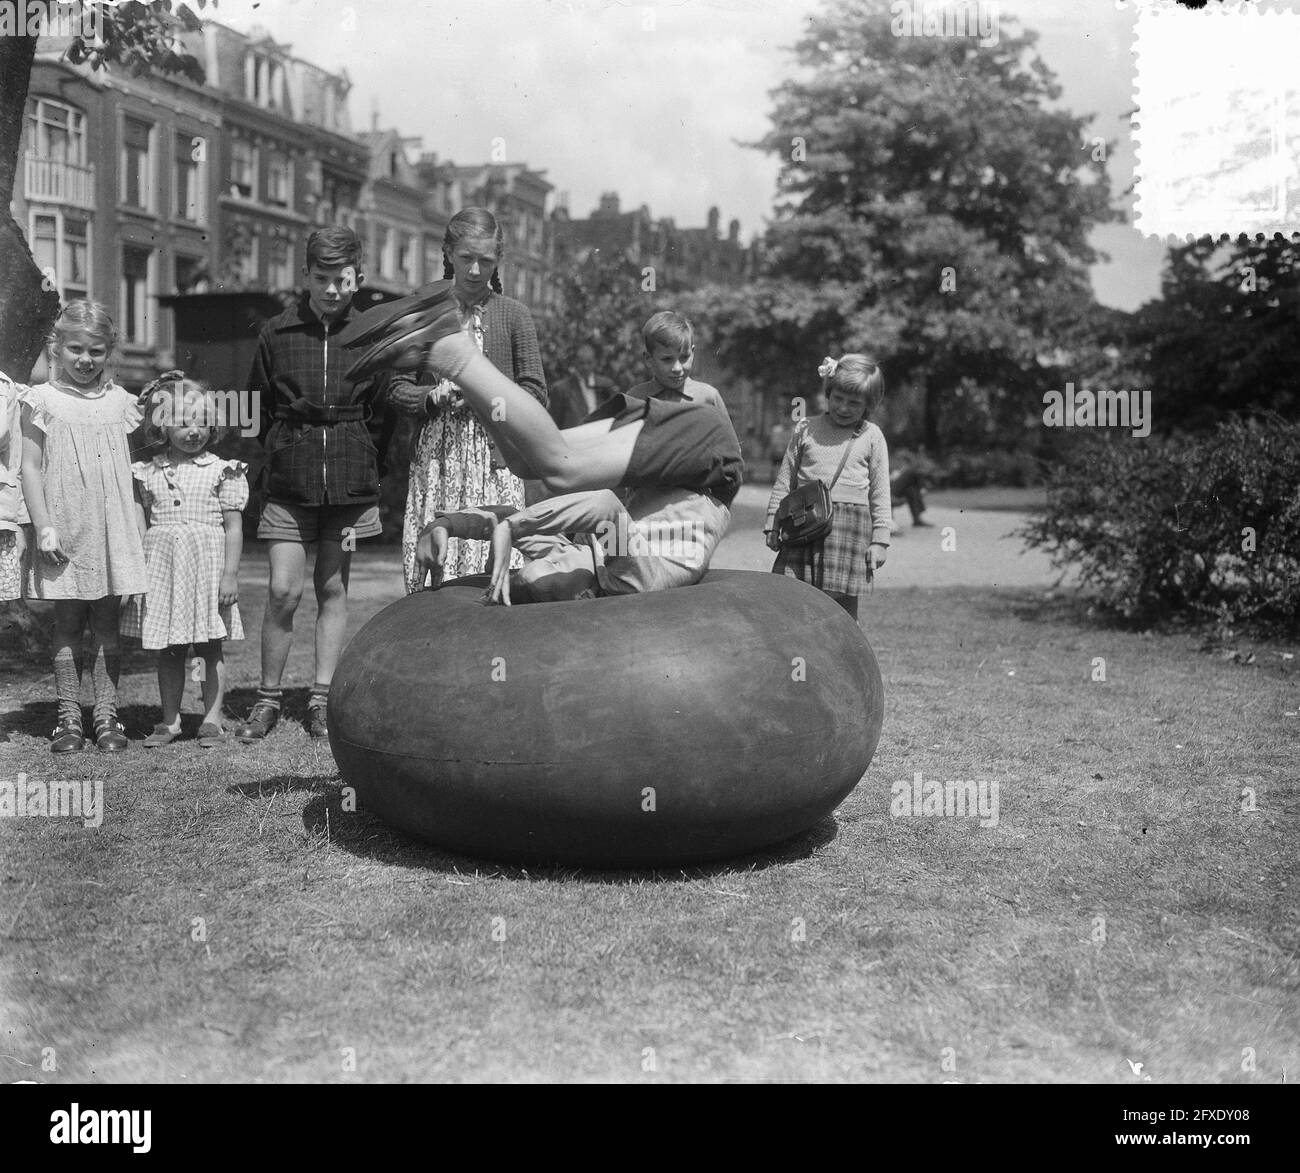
(284, 596)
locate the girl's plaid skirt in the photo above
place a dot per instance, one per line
(839, 561)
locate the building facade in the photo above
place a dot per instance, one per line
(681, 258)
(117, 194)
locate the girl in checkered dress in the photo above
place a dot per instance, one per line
(192, 503)
(843, 563)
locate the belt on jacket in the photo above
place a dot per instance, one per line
(302, 411)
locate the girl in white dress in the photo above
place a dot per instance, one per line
(192, 503)
(77, 483)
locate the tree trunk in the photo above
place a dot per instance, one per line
(27, 309)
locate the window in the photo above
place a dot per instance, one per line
(405, 258)
(191, 274)
(279, 181)
(61, 246)
(135, 163)
(384, 249)
(57, 132)
(136, 318)
(279, 269)
(243, 168)
(263, 81)
(338, 201)
(191, 171)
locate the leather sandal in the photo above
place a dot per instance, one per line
(161, 735)
(210, 735)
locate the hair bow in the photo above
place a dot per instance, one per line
(828, 367)
(158, 383)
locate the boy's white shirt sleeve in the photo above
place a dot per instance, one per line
(585, 513)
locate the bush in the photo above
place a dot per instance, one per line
(975, 469)
(1204, 526)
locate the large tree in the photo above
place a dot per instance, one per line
(1225, 336)
(133, 35)
(934, 208)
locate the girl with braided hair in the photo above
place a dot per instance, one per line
(454, 464)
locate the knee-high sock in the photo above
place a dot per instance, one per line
(105, 672)
(67, 683)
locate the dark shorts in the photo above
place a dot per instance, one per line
(311, 523)
(681, 446)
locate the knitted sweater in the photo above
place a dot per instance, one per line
(864, 481)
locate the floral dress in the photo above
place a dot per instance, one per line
(86, 475)
(451, 469)
(185, 548)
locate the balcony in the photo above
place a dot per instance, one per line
(53, 181)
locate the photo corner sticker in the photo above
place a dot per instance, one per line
(1216, 124)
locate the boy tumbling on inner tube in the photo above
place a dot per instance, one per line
(681, 460)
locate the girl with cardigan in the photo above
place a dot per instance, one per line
(454, 464)
(843, 563)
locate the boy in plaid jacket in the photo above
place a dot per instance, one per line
(324, 437)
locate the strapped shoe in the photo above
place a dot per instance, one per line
(110, 735)
(262, 718)
(161, 735)
(67, 736)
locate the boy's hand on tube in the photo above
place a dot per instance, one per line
(499, 592)
(431, 551)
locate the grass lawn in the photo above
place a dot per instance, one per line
(229, 921)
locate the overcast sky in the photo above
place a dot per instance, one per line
(652, 97)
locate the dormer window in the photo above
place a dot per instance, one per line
(263, 81)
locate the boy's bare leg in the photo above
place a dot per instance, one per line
(284, 593)
(590, 456)
(330, 576)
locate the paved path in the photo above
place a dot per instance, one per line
(984, 555)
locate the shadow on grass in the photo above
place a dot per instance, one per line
(367, 836)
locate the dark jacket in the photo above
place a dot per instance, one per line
(568, 406)
(324, 435)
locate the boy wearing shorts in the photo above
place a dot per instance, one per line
(323, 433)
